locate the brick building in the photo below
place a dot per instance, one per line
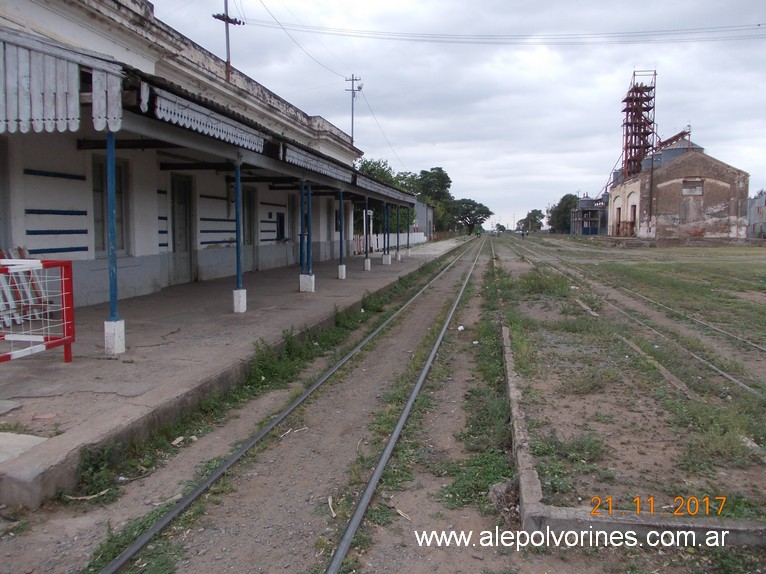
(680, 192)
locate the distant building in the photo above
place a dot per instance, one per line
(590, 217)
(424, 220)
(756, 216)
(680, 192)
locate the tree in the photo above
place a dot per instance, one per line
(560, 218)
(381, 170)
(532, 222)
(470, 213)
(434, 184)
(500, 228)
(377, 168)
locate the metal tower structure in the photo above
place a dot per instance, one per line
(638, 126)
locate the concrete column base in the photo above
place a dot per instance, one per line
(240, 300)
(308, 283)
(341, 271)
(367, 264)
(386, 259)
(407, 252)
(398, 255)
(114, 337)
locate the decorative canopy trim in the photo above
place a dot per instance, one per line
(182, 112)
(305, 160)
(372, 185)
(40, 86)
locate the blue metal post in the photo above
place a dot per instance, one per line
(238, 215)
(366, 229)
(111, 224)
(408, 227)
(303, 229)
(397, 228)
(386, 235)
(340, 215)
(309, 247)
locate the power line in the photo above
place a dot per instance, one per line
(381, 131)
(284, 29)
(678, 35)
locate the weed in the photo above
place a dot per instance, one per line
(739, 507)
(162, 554)
(379, 514)
(472, 478)
(487, 423)
(605, 418)
(562, 459)
(591, 380)
(14, 427)
(541, 281)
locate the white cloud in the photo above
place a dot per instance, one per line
(515, 126)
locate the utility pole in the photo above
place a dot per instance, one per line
(353, 79)
(227, 20)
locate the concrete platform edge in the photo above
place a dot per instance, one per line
(537, 516)
(53, 466)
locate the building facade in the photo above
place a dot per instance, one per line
(126, 147)
(590, 217)
(681, 192)
(756, 216)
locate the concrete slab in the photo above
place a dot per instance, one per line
(14, 444)
(7, 406)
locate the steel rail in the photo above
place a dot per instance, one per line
(361, 506)
(137, 545)
(662, 305)
(704, 361)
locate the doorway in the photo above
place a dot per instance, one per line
(181, 213)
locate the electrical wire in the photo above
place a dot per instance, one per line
(678, 35)
(284, 29)
(338, 74)
(382, 132)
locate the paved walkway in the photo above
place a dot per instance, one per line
(182, 343)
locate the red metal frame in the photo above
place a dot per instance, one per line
(67, 328)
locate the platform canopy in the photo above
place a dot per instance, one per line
(42, 85)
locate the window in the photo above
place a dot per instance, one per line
(692, 187)
(99, 203)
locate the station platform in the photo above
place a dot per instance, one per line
(183, 343)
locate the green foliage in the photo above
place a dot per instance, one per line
(473, 477)
(561, 214)
(470, 213)
(379, 169)
(160, 557)
(532, 222)
(540, 281)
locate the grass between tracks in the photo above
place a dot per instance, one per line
(554, 340)
(103, 471)
(486, 435)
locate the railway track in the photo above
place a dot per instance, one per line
(577, 273)
(582, 274)
(407, 326)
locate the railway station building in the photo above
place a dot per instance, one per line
(680, 193)
(149, 162)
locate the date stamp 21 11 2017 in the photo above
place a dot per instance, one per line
(648, 506)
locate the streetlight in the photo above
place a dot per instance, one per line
(354, 89)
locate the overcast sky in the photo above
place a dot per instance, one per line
(516, 123)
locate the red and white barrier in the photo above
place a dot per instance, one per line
(36, 307)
